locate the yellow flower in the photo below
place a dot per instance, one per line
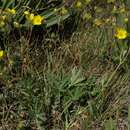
(34, 19)
(121, 33)
(11, 11)
(37, 20)
(29, 16)
(1, 54)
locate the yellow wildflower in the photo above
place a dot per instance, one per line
(1, 54)
(34, 19)
(30, 16)
(121, 33)
(11, 11)
(37, 20)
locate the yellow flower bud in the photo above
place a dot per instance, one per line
(11, 11)
(1, 54)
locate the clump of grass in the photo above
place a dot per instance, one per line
(76, 83)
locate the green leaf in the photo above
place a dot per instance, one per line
(56, 20)
(76, 77)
